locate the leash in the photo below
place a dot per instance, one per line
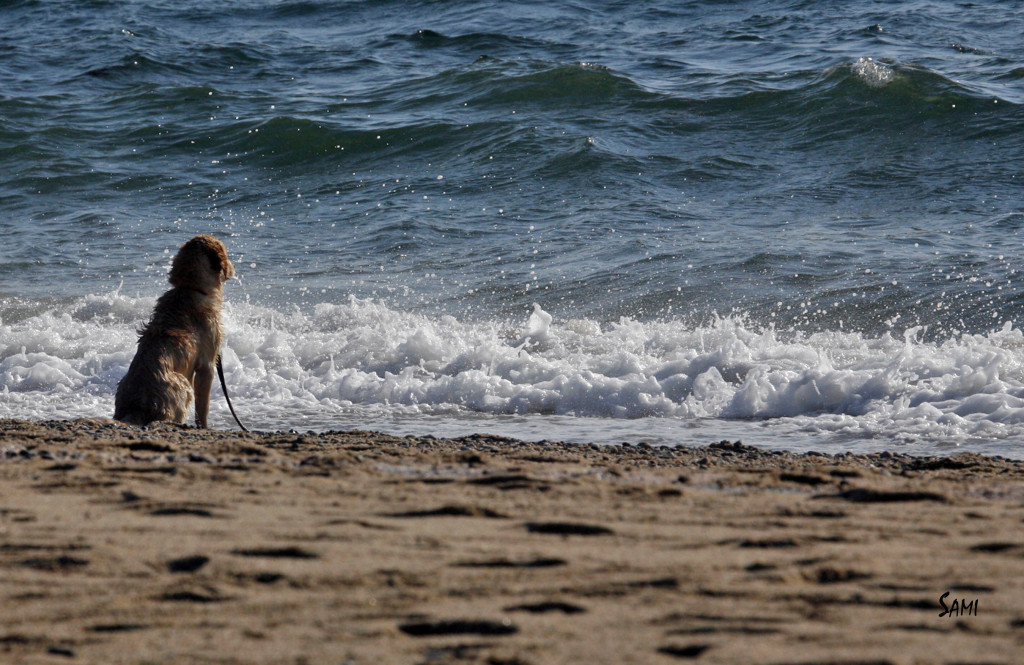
(224, 387)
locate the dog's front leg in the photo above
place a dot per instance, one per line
(203, 383)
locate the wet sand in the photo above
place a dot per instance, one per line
(172, 545)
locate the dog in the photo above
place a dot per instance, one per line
(179, 347)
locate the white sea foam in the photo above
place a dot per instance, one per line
(872, 72)
(362, 363)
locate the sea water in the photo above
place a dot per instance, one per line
(795, 224)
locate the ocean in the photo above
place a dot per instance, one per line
(795, 224)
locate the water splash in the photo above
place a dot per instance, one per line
(874, 73)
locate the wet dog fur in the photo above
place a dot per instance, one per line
(178, 348)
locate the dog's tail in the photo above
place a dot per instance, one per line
(224, 387)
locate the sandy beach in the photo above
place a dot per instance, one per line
(173, 545)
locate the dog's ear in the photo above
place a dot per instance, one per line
(189, 270)
(219, 260)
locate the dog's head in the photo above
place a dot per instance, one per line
(202, 264)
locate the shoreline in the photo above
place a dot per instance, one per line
(164, 545)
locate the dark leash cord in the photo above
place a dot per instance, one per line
(224, 387)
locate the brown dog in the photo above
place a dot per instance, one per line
(178, 348)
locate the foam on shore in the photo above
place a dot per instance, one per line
(362, 359)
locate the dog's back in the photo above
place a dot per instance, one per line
(184, 333)
(178, 348)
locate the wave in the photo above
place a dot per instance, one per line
(864, 96)
(415, 116)
(65, 359)
(844, 101)
(492, 43)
